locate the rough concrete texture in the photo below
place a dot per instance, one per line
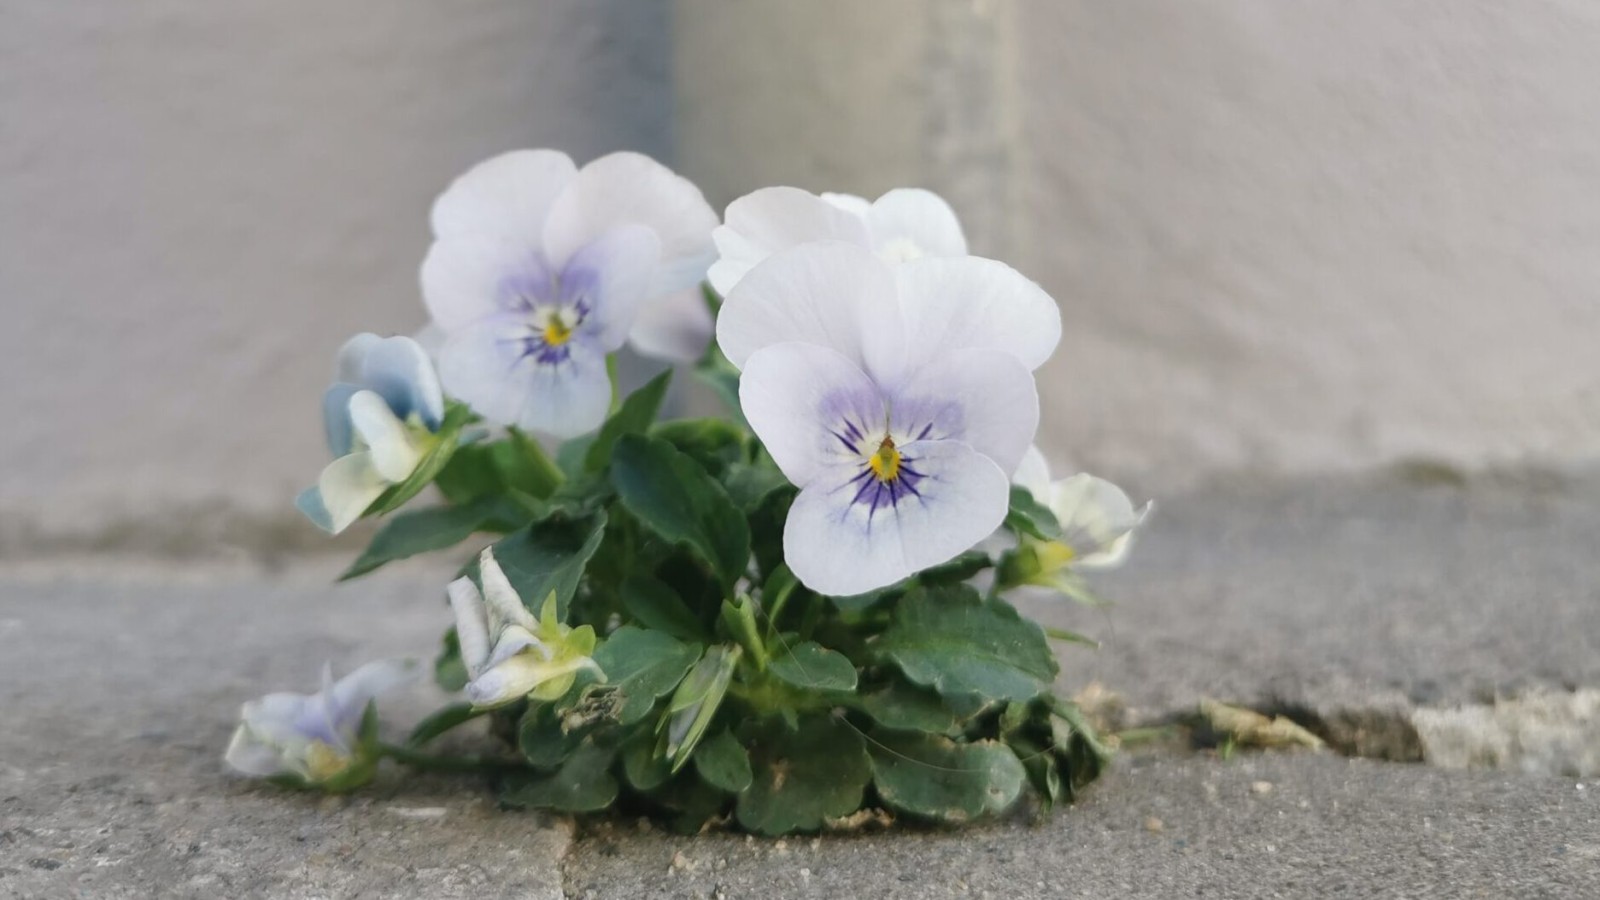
(200, 201)
(1351, 602)
(1268, 826)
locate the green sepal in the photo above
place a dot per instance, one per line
(1027, 516)
(739, 620)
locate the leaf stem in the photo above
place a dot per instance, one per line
(435, 763)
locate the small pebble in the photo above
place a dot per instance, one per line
(1153, 825)
(1261, 787)
(419, 812)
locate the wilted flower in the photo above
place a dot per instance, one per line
(539, 270)
(509, 654)
(902, 225)
(326, 739)
(380, 414)
(898, 398)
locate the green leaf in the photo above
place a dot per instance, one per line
(674, 497)
(642, 766)
(441, 721)
(722, 762)
(719, 374)
(658, 607)
(548, 556)
(449, 672)
(714, 443)
(584, 783)
(750, 484)
(572, 455)
(949, 639)
(800, 778)
(813, 667)
(1029, 516)
(643, 666)
(696, 702)
(634, 417)
(523, 465)
(544, 739)
(441, 447)
(469, 475)
(933, 777)
(907, 708)
(435, 528)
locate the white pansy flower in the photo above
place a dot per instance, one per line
(508, 653)
(317, 738)
(898, 398)
(379, 414)
(1097, 519)
(902, 225)
(539, 270)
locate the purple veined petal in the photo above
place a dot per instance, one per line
(984, 398)
(606, 280)
(633, 189)
(674, 327)
(831, 294)
(812, 408)
(849, 532)
(467, 278)
(973, 303)
(910, 223)
(771, 219)
(503, 370)
(400, 371)
(509, 196)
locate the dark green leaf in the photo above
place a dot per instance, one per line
(719, 374)
(544, 739)
(449, 672)
(643, 666)
(435, 528)
(722, 761)
(933, 777)
(1029, 516)
(949, 639)
(750, 484)
(642, 766)
(673, 496)
(444, 444)
(584, 783)
(523, 465)
(572, 455)
(659, 607)
(714, 443)
(441, 721)
(547, 556)
(907, 708)
(633, 417)
(802, 777)
(469, 475)
(813, 667)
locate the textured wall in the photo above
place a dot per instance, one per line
(199, 200)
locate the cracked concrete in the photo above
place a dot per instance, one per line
(1464, 610)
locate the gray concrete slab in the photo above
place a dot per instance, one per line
(1256, 826)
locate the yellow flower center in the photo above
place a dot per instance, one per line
(885, 463)
(556, 332)
(323, 761)
(1054, 556)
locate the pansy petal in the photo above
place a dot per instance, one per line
(504, 604)
(850, 203)
(1033, 473)
(910, 223)
(811, 407)
(831, 294)
(349, 696)
(674, 327)
(349, 485)
(970, 302)
(309, 502)
(838, 545)
(472, 623)
(514, 639)
(633, 189)
(519, 676)
(489, 367)
(1097, 520)
(984, 398)
(276, 718)
(466, 278)
(395, 453)
(336, 416)
(250, 755)
(352, 355)
(609, 278)
(401, 372)
(508, 195)
(765, 221)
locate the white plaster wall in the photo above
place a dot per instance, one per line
(200, 200)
